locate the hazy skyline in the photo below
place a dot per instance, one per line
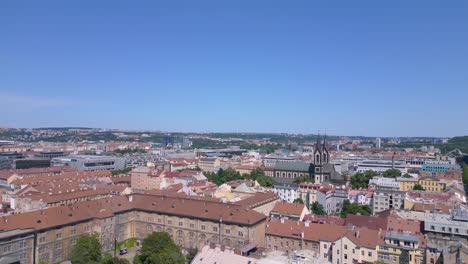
(353, 68)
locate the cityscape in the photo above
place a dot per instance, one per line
(233, 132)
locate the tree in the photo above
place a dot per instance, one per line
(418, 187)
(122, 171)
(191, 254)
(361, 180)
(229, 174)
(298, 201)
(352, 208)
(303, 179)
(158, 248)
(109, 259)
(87, 250)
(392, 173)
(406, 175)
(317, 209)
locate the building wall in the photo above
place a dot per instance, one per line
(54, 245)
(290, 244)
(19, 248)
(345, 251)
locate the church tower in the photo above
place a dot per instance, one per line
(318, 161)
(325, 153)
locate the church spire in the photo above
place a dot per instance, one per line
(317, 145)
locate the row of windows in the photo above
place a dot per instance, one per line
(448, 229)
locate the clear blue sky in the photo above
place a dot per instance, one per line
(377, 68)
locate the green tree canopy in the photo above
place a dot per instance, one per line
(191, 254)
(229, 174)
(109, 259)
(87, 250)
(301, 179)
(158, 248)
(317, 209)
(353, 208)
(298, 201)
(392, 173)
(418, 187)
(361, 180)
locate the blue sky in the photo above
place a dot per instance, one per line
(376, 68)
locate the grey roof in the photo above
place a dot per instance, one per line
(295, 166)
(404, 237)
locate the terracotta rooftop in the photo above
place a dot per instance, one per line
(259, 198)
(370, 222)
(314, 232)
(103, 208)
(5, 174)
(72, 175)
(288, 208)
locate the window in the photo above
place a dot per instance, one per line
(456, 230)
(7, 248)
(41, 249)
(345, 246)
(432, 227)
(345, 256)
(324, 245)
(169, 222)
(73, 232)
(58, 245)
(58, 236)
(215, 229)
(228, 231)
(192, 225)
(22, 244)
(362, 252)
(42, 240)
(203, 227)
(240, 234)
(159, 220)
(369, 254)
(23, 256)
(181, 223)
(73, 241)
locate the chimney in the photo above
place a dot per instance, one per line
(282, 220)
(307, 223)
(130, 198)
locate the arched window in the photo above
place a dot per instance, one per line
(180, 233)
(227, 242)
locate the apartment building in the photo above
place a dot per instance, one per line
(357, 246)
(385, 199)
(49, 234)
(428, 183)
(209, 164)
(287, 192)
(293, 211)
(144, 178)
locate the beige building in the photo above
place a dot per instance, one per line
(209, 164)
(357, 246)
(428, 183)
(144, 178)
(49, 234)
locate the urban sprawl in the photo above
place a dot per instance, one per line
(234, 197)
